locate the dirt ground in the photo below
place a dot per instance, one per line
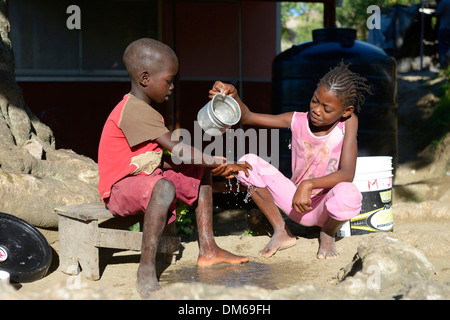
(425, 230)
(288, 267)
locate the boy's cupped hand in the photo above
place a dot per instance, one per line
(228, 170)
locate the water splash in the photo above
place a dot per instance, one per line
(229, 184)
(248, 195)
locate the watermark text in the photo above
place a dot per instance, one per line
(74, 20)
(374, 21)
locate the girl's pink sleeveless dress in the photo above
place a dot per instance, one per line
(312, 157)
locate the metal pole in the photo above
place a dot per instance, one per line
(421, 34)
(241, 73)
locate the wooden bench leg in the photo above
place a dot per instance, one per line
(77, 247)
(81, 236)
(169, 233)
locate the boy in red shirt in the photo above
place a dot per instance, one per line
(135, 178)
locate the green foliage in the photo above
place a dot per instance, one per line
(185, 219)
(298, 19)
(290, 9)
(435, 127)
(135, 227)
(353, 13)
(248, 233)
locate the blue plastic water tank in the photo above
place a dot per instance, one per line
(296, 72)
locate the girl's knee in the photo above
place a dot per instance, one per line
(349, 191)
(345, 201)
(250, 158)
(261, 172)
(253, 178)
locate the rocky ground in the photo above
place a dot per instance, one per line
(412, 262)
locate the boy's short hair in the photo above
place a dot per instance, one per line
(146, 54)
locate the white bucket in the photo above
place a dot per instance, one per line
(4, 277)
(219, 114)
(373, 178)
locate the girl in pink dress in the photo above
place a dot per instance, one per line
(324, 151)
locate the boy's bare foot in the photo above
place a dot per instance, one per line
(218, 256)
(279, 241)
(146, 283)
(327, 247)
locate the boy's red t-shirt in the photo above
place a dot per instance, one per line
(126, 144)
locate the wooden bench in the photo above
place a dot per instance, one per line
(85, 228)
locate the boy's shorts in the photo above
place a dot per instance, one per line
(131, 195)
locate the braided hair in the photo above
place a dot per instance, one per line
(348, 86)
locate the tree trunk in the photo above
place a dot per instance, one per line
(34, 176)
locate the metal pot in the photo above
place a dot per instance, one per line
(219, 114)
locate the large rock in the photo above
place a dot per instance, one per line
(385, 267)
(30, 187)
(34, 176)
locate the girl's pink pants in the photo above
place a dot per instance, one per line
(342, 202)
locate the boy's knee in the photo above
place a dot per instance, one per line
(164, 190)
(165, 186)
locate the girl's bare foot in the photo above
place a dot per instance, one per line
(327, 247)
(217, 256)
(279, 241)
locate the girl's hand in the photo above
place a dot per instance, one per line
(229, 89)
(224, 89)
(301, 202)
